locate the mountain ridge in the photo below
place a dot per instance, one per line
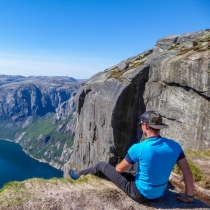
(32, 114)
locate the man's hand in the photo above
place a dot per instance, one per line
(122, 166)
(184, 198)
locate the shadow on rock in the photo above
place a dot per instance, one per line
(169, 201)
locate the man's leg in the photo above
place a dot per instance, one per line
(129, 187)
(97, 169)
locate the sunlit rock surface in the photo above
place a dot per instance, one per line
(172, 78)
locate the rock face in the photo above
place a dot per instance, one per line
(34, 95)
(172, 78)
(39, 113)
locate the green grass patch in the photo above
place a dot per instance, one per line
(197, 174)
(38, 127)
(70, 142)
(172, 48)
(177, 170)
(201, 178)
(16, 186)
(81, 180)
(117, 74)
(196, 48)
(199, 152)
(8, 129)
(51, 143)
(13, 194)
(63, 180)
(204, 152)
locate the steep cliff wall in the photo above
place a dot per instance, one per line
(179, 88)
(172, 78)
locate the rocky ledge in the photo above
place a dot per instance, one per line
(88, 192)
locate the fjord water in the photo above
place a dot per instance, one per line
(15, 165)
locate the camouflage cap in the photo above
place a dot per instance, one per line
(153, 119)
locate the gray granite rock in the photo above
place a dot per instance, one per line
(105, 107)
(122, 66)
(166, 42)
(184, 37)
(197, 34)
(172, 79)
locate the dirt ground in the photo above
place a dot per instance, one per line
(89, 193)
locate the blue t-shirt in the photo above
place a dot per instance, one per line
(156, 158)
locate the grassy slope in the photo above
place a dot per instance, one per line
(199, 162)
(18, 193)
(52, 140)
(88, 192)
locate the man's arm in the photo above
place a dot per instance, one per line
(188, 180)
(122, 166)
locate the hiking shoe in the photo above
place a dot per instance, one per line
(74, 174)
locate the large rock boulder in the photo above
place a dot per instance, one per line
(172, 79)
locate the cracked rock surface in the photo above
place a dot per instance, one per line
(172, 78)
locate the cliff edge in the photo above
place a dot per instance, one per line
(89, 192)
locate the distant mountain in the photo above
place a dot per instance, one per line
(38, 112)
(4, 79)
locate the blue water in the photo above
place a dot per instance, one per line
(15, 165)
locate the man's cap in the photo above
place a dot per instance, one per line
(153, 119)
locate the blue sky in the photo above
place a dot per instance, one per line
(79, 38)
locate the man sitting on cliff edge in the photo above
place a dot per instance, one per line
(156, 157)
